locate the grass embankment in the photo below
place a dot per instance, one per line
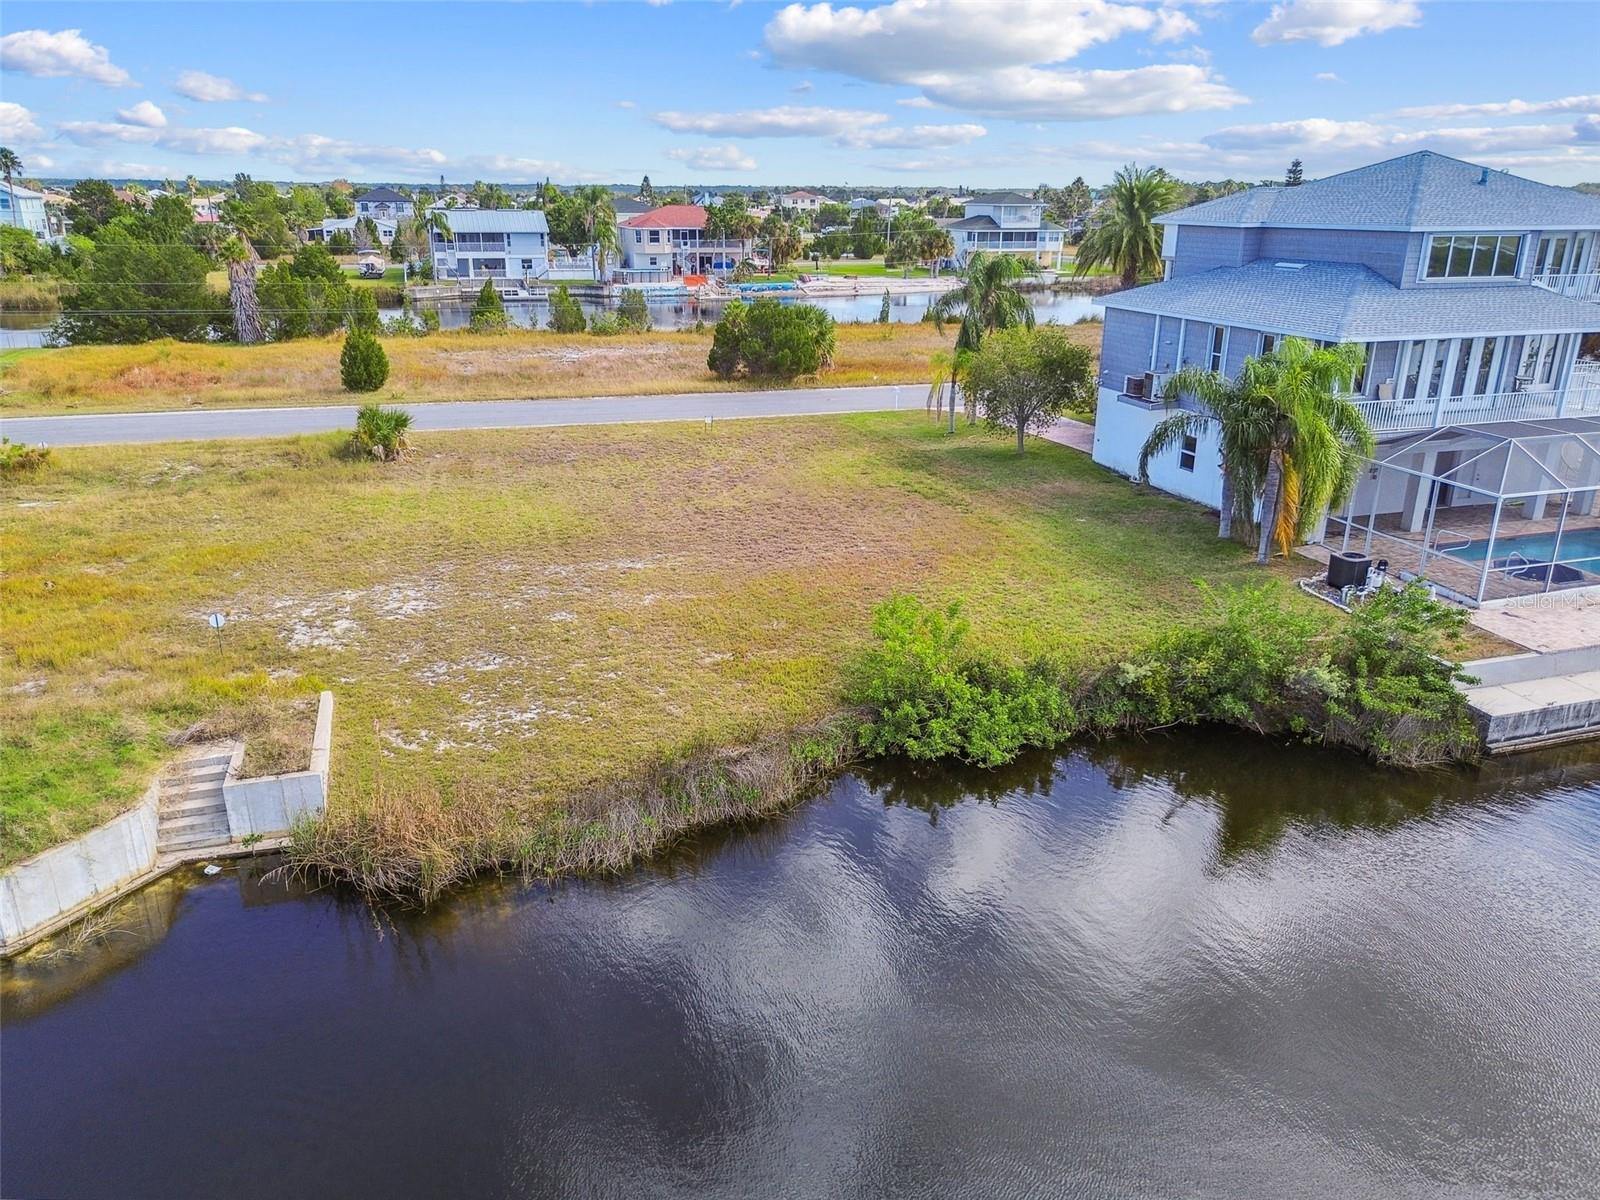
(523, 364)
(514, 619)
(37, 294)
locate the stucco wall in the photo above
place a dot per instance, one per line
(1120, 429)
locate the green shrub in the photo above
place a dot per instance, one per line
(566, 316)
(928, 695)
(488, 311)
(633, 312)
(770, 339)
(361, 311)
(363, 365)
(381, 432)
(604, 324)
(17, 460)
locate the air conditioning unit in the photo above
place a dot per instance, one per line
(1133, 385)
(1155, 383)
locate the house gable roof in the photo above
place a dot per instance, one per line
(1348, 302)
(1417, 191)
(669, 216)
(1001, 198)
(495, 220)
(382, 195)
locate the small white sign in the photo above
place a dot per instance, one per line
(217, 621)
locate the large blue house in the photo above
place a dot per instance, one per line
(1475, 293)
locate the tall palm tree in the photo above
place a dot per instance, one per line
(1126, 237)
(426, 221)
(597, 215)
(11, 165)
(989, 299)
(1292, 439)
(241, 258)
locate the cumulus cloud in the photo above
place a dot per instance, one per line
(713, 158)
(212, 89)
(18, 124)
(93, 133)
(912, 137)
(1327, 77)
(1334, 22)
(55, 55)
(143, 113)
(1505, 108)
(999, 57)
(786, 120)
(514, 167)
(916, 102)
(627, 104)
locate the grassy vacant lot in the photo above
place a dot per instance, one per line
(529, 613)
(445, 366)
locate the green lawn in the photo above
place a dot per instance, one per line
(517, 615)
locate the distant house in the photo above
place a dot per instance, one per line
(630, 208)
(332, 225)
(504, 243)
(670, 241)
(705, 199)
(801, 201)
(861, 202)
(1007, 223)
(24, 208)
(888, 206)
(383, 202)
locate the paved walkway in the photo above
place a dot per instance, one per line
(98, 429)
(1545, 623)
(1076, 434)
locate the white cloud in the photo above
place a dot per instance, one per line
(996, 57)
(627, 104)
(787, 120)
(912, 137)
(1333, 22)
(517, 168)
(17, 124)
(56, 55)
(94, 133)
(1327, 77)
(805, 85)
(311, 152)
(713, 158)
(1046, 94)
(212, 89)
(143, 113)
(1505, 108)
(916, 102)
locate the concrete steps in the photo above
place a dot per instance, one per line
(191, 812)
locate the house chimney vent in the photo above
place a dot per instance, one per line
(1484, 178)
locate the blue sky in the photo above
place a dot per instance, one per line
(974, 92)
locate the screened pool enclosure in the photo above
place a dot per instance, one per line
(1485, 512)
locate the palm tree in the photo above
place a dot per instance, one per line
(241, 257)
(1126, 237)
(426, 221)
(988, 300)
(11, 165)
(1292, 439)
(597, 214)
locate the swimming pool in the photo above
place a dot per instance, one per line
(1579, 548)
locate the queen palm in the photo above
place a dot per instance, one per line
(1292, 440)
(598, 216)
(1125, 237)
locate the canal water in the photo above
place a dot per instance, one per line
(20, 330)
(1197, 966)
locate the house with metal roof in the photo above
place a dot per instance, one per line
(512, 244)
(1474, 293)
(1007, 223)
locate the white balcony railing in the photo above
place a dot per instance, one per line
(1579, 287)
(1387, 416)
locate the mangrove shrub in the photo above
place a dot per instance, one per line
(770, 339)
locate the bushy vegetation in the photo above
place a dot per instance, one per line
(1023, 380)
(363, 365)
(488, 310)
(769, 339)
(566, 316)
(381, 432)
(1379, 684)
(136, 291)
(18, 460)
(632, 312)
(310, 294)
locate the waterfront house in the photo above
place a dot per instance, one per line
(1476, 296)
(331, 225)
(23, 208)
(801, 201)
(1007, 223)
(383, 203)
(509, 243)
(670, 241)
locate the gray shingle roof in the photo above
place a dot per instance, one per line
(974, 223)
(1346, 302)
(1001, 198)
(382, 195)
(1417, 191)
(496, 220)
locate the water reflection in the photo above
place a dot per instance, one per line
(1198, 965)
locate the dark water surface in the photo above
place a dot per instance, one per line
(1200, 966)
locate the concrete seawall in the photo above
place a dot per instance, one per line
(1522, 701)
(55, 888)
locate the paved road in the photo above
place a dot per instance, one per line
(111, 428)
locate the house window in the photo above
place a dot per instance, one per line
(527, 264)
(1186, 453)
(1219, 343)
(1469, 256)
(655, 235)
(1269, 342)
(638, 236)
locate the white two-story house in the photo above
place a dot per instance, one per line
(671, 241)
(383, 204)
(1007, 223)
(1475, 295)
(509, 243)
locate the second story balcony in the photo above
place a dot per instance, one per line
(1579, 398)
(1585, 286)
